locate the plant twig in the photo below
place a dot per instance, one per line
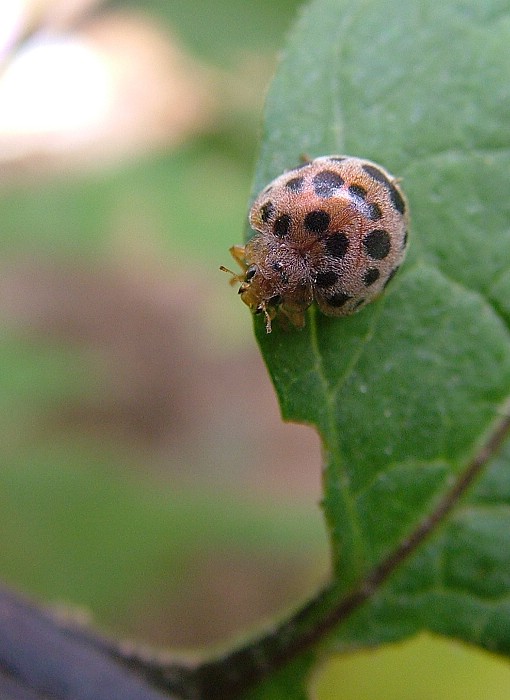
(231, 674)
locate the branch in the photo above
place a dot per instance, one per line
(230, 675)
(41, 657)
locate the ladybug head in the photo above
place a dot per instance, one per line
(258, 293)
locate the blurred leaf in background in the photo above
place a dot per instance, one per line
(127, 136)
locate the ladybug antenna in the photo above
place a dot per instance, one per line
(235, 277)
(230, 272)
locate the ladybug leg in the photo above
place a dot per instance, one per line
(297, 318)
(269, 314)
(269, 318)
(238, 253)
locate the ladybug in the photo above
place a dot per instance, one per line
(333, 230)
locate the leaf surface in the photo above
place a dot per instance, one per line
(406, 393)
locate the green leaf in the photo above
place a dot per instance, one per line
(410, 395)
(288, 684)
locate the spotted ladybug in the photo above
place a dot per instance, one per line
(333, 231)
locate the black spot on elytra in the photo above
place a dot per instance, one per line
(374, 212)
(326, 183)
(359, 303)
(317, 221)
(358, 191)
(397, 200)
(376, 174)
(295, 184)
(326, 278)
(371, 276)
(338, 300)
(337, 244)
(281, 226)
(377, 244)
(395, 196)
(406, 236)
(266, 211)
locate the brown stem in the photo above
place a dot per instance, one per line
(232, 674)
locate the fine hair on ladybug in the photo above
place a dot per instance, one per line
(331, 231)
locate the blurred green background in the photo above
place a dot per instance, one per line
(145, 474)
